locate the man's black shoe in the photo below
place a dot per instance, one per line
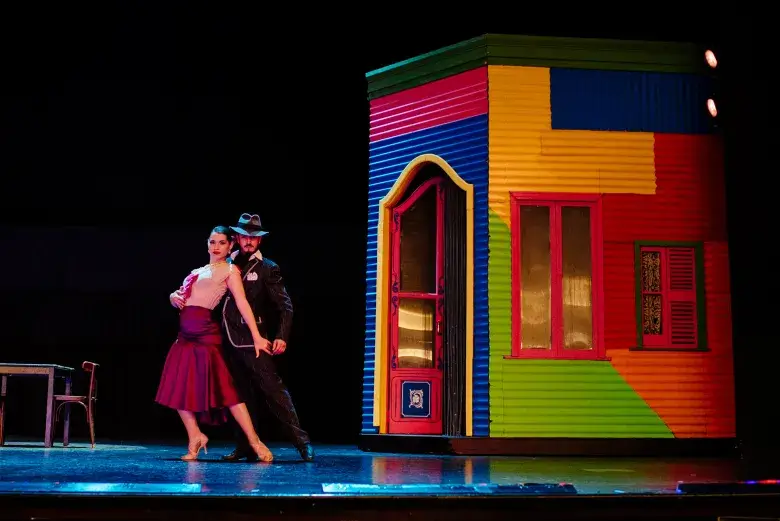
(239, 454)
(306, 451)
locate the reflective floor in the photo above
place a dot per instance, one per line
(155, 469)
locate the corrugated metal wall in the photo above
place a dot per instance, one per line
(692, 392)
(568, 398)
(444, 101)
(526, 154)
(553, 398)
(639, 394)
(630, 101)
(463, 144)
(558, 397)
(689, 204)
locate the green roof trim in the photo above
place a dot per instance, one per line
(537, 51)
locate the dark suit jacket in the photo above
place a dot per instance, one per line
(265, 292)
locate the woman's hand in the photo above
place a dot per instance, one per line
(177, 299)
(279, 347)
(262, 344)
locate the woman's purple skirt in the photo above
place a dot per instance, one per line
(195, 377)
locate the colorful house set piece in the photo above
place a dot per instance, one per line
(547, 254)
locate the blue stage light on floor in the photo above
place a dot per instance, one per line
(99, 488)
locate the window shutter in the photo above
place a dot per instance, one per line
(682, 318)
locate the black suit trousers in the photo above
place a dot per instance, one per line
(258, 376)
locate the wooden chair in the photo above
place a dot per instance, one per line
(88, 401)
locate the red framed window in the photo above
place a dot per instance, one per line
(557, 298)
(670, 296)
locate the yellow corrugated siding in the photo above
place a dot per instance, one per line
(525, 154)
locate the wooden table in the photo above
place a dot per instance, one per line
(50, 371)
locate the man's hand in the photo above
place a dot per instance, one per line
(279, 346)
(177, 299)
(262, 345)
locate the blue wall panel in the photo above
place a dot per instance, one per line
(464, 145)
(583, 99)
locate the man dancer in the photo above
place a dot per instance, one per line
(264, 288)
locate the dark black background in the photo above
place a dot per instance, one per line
(129, 129)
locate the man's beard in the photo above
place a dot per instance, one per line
(243, 256)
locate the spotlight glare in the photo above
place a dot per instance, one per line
(712, 61)
(712, 108)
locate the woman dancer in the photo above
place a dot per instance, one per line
(195, 378)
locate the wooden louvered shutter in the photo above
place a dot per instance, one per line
(681, 318)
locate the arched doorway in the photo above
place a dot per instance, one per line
(426, 316)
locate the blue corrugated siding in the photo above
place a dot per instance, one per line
(584, 99)
(464, 145)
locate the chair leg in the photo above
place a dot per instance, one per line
(91, 421)
(54, 418)
(3, 384)
(2, 420)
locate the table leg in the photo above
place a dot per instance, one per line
(49, 410)
(66, 414)
(3, 387)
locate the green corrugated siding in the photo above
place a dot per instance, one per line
(553, 398)
(539, 51)
(567, 398)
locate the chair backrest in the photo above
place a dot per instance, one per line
(91, 368)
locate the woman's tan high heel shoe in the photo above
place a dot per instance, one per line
(193, 449)
(262, 451)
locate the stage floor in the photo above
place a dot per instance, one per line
(155, 469)
(121, 481)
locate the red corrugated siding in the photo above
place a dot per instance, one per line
(720, 361)
(689, 203)
(692, 392)
(619, 289)
(444, 101)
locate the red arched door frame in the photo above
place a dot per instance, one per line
(416, 324)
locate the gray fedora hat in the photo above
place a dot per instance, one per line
(249, 224)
